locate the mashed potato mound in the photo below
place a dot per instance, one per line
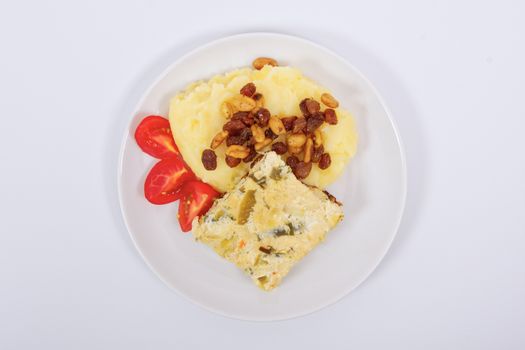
(195, 119)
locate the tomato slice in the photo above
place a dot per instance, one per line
(196, 198)
(165, 179)
(153, 135)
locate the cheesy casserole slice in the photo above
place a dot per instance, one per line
(268, 222)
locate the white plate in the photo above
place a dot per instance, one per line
(372, 189)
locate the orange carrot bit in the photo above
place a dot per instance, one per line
(242, 244)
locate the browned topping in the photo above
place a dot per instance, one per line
(218, 139)
(251, 156)
(209, 159)
(234, 127)
(242, 103)
(330, 116)
(288, 122)
(260, 62)
(248, 89)
(292, 161)
(312, 106)
(260, 145)
(314, 122)
(302, 170)
(325, 161)
(318, 138)
(279, 148)
(296, 140)
(316, 154)
(265, 250)
(329, 100)
(303, 107)
(268, 133)
(232, 162)
(308, 148)
(299, 125)
(258, 133)
(276, 125)
(237, 151)
(262, 116)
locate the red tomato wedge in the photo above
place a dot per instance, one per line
(196, 198)
(165, 179)
(153, 135)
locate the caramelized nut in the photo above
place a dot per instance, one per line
(325, 161)
(238, 151)
(302, 170)
(227, 109)
(296, 140)
(260, 62)
(330, 116)
(218, 139)
(288, 122)
(277, 126)
(308, 147)
(258, 133)
(209, 159)
(232, 162)
(248, 89)
(279, 148)
(294, 150)
(318, 138)
(260, 145)
(329, 100)
(299, 125)
(242, 103)
(317, 153)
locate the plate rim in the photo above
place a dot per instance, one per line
(389, 115)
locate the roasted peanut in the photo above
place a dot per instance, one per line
(308, 147)
(329, 100)
(227, 109)
(260, 145)
(294, 150)
(242, 103)
(258, 133)
(260, 62)
(248, 90)
(296, 140)
(318, 138)
(218, 139)
(277, 126)
(209, 159)
(238, 151)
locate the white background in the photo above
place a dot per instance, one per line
(453, 74)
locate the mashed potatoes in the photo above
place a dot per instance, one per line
(195, 119)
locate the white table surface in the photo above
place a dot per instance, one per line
(453, 74)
